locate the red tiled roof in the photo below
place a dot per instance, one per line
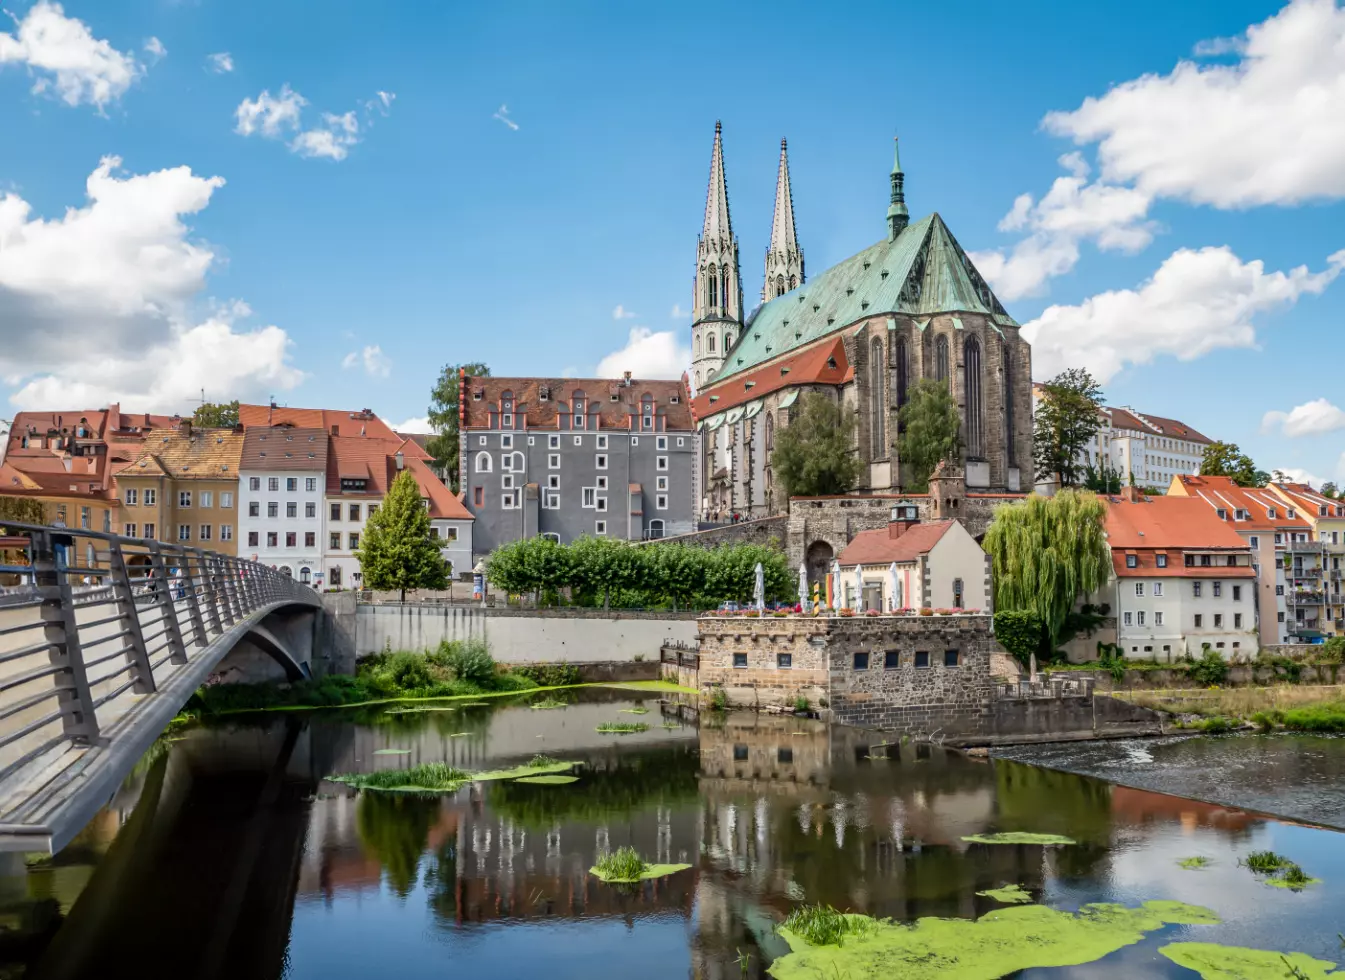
(444, 504)
(822, 363)
(878, 547)
(1222, 492)
(283, 448)
(1172, 428)
(599, 392)
(1309, 500)
(375, 460)
(1171, 525)
(361, 424)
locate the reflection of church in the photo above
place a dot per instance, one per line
(862, 332)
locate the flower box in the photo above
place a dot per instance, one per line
(926, 612)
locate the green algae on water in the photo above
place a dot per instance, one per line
(996, 945)
(1197, 863)
(1295, 883)
(1008, 894)
(626, 867)
(433, 778)
(392, 751)
(552, 780)
(1215, 962)
(621, 727)
(1019, 837)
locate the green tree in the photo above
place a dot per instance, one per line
(212, 415)
(443, 412)
(1329, 489)
(1020, 632)
(1102, 479)
(22, 510)
(1046, 552)
(679, 571)
(396, 551)
(1066, 418)
(1226, 459)
(814, 455)
(929, 431)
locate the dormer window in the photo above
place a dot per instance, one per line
(1270, 512)
(476, 395)
(1223, 514)
(1290, 513)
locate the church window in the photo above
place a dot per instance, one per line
(877, 420)
(724, 289)
(710, 343)
(779, 285)
(728, 341)
(696, 344)
(770, 432)
(972, 388)
(941, 372)
(712, 288)
(698, 379)
(902, 379)
(792, 282)
(1008, 407)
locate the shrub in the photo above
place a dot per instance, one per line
(469, 660)
(1211, 669)
(719, 700)
(800, 703)
(408, 671)
(624, 864)
(1020, 632)
(550, 675)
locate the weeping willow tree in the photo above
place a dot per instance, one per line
(1047, 552)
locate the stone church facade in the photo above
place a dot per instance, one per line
(862, 333)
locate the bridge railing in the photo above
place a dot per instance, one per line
(80, 646)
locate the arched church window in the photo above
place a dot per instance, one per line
(779, 285)
(696, 346)
(698, 380)
(877, 420)
(728, 340)
(941, 372)
(770, 432)
(1008, 407)
(792, 282)
(710, 342)
(712, 288)
(724, 291)
(971, 366)
(901, 368)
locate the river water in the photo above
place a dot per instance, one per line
(229, 854)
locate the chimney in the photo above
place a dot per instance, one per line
(271, 413)
(903, 518)
(1132, 495)
(401, 460)
(627, 379)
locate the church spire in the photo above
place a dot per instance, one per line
(717, 313)
(784, 258)
(897, 215)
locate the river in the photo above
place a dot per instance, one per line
(230, 854)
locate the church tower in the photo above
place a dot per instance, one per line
(717, 313)
(784, 258)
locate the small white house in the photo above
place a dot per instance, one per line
(281, 479)
(939, 565)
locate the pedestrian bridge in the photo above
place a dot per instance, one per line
(95, 661)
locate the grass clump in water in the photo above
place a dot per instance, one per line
(429, 776)
(1215, 962)
(540, 761)
(637, 710)
(1266, 862)
(622, 727)
(1009, 894)
(625, 866)
(1194, 863)
(547, 704)
(1019, 837)
(1294, 878)
(822, 925)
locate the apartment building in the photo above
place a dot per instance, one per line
(1324, 550)
(183, 488)
(562, 457)
(1183, 580)
(282, 487)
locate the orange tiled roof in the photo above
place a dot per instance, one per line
(375, 460)
(283, 448)
(191, 454)
(363, 423)
(599, 392)
(822, 363)
(1173, 525)
(1222, 492)
(1310, 501)
(878, 547)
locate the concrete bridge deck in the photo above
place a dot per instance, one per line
(94, 663)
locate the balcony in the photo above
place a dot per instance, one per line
(1306, 547)
(1299, 571)
(1305, 598)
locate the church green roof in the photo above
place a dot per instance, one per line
(922, 272)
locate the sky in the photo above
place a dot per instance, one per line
(327, 203)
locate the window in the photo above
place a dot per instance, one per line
(335, 512)
(1231, 561)
(532, 440)
(130, 498)
(660, 483)
(226, 499)
(1198, 619)
(353, 512)
(551, 500)
(1158, 619)
(272, 509)
(1132, 561)
(662, 443)
(254, 508)
(311, 483)
(129, 531)
(1217, 589)
(589, 497)
(602, 503)
(578, 440)
(740, 660)
(1139, 618)
(1161, 561)
(451, 534)
(150, 497)
(253, 539)
(891, 659)
(506, 442)
(602, 442)
(1279, 538)
(1218, 620)
(1139, 588)
(334, 541)
(272, 539)
(226, 532)
(1237, 593)
(483, 462)
(950, 658)
(1279, 617)
(553, 461)
(1237, 621)
(553, 482)
(1256, 542)
(310, 509)
(602, 482)
(1158, 588)
(147, 531)
(1205, 561)
(553, 442)
(273, 483)
(1195, 589)
(599, 527)
(184, 532)
(509, 500)
(184, 498)
(507, 482)
(310, 539)
(479, 496)
(922, 658)
(291, 509)
(1223, 514)
(861, 660)
(784, 660)
(291, 539)
(661, 502)
(254, 483)
(334, 575)
(661, 462)
(205, 532)
(600, 461)
(784, 756)
(480, 440)
(1127, 619)
(354, 538)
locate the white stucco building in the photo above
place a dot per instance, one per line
(939, 566)
(282, 481)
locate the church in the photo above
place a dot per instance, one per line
(862, 332)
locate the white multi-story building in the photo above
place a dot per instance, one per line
(1183, 579)
(282, 483)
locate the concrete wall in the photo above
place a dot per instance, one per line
(519, 636)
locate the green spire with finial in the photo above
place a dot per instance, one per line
(897, 215)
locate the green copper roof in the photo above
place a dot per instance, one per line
(923, 272)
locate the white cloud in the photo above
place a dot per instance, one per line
(647, 355)
(502, 114)
(221, 62)
(61, 52)
(621, 313)
(1215, 47)
(1313, 418)
(1263, 130)
(279, 117)
(95, 305)
(419, 424)
(1294, 474)
(1197, 302)
(376, 364)
(155, 49)
(678, 313)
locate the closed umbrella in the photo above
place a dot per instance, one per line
(803, 587)
(893, 585)
(834, 585)
(859, 587)
(759, 591)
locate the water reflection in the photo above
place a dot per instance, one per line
(230, 855)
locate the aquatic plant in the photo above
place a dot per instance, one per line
(670, 726)
(1194, 863)
(539, 760)
(622, 727)
(1266, 862)
(1215, 962)
(554, 779)
(801, 703)
(719, 700)
(637, 710)
(547, 704)
(625, 866)
(997, 944)
(822, 925)
(432, 778)
(1292, 877)
(1009, 894)
(1019, 837)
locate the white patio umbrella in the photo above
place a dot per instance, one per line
(759, 591)
(835, 584)
(803, 587)
(893, 588)
(859, 587)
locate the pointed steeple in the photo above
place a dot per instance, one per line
(897, 215)
(784, 258)
(718, 225)
(716, 314)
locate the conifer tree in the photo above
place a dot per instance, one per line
(397, 551)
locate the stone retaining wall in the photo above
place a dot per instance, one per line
(1239, 675)
(768, 531)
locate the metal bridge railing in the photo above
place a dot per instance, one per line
(81, 645)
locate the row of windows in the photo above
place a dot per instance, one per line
(517, 463)
(1139, 618)
(1197, 588)
(892, 659)
(150, 498)
(553, 441)
(291, 483)
(291, 539)
(353, 511)
(291, 509)
(204, 532)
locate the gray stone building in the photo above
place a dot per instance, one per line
(862, 333)
(565, 457)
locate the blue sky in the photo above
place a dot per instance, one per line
(375, 217)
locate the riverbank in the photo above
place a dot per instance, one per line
(1280, 707)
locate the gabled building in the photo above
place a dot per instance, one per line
(939, 565)
(565, 457)
(282, 488)
(1324, 549)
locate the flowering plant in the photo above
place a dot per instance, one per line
(926, 611)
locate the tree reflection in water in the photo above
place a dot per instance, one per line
(393, 828)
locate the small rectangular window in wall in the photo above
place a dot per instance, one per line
(740, 660)
(662, 443)
(660, 462)
(602, 504)
(271, 538)
(354, 541)
(599, 527)
(553, 461)
(891, 659)
(661, 502)
(205, 532)
(784, 660)
(950, 658)
(553, 442)
(600, 461)
(478, 496)
(922, 658)
(861, 660)
(184, 532)
(333, 540)
(602, 442)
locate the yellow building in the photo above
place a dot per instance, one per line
(63, 501)
(1326, 516)
(183, 489)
